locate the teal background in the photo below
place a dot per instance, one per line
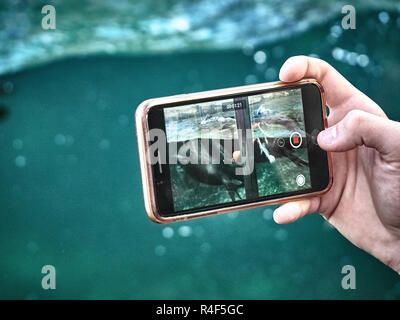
(71, 192)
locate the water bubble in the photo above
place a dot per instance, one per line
(160, 250)
(168, 232)
(20, 161)
(260, 57)
(338, 53)
(185, 231)
(271, 74)
(104, 144)
(384, 17)
(268, 214)
(336, 31)
(313, 55)
(362, 60)
(351, 58)
(18, 144)
(250, 79)
(59, 139)
(281, 235)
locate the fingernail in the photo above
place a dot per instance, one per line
(282, 71)
(285, 69)
(284, 213)
(276, 216)
(328, 136)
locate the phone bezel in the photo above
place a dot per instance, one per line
(157, 202)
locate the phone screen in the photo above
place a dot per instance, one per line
(240, 149)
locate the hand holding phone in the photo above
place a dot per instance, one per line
(231, 149)
(364, 201)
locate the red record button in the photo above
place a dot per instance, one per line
(295, 140)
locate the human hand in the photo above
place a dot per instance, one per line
(363, 203)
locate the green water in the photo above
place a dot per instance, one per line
(70, 191)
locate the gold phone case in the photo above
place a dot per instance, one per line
(147, 178)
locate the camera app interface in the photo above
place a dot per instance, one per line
(210, 142)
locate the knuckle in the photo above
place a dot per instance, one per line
(304, 206)
(319, 66)
(323, 63)
(353, 119)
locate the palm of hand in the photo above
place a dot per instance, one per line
(357, 204)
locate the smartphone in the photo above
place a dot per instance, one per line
(225, 150)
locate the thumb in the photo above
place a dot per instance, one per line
(361, 128)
